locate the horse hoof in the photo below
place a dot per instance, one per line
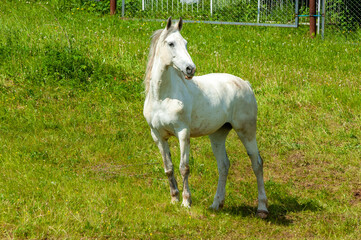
(186, 204)
(174, 200)
(213, 208)
(263, 214)
(216, 207)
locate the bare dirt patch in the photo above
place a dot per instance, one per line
(356, 197)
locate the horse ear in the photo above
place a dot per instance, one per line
(169, 22)
(180, 24)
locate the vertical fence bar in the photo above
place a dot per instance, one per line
(142, 5)
(113, 6)
(211, 7)
(312, 18)
(296, 12)
(323, 18)
(319, 16)
(123, 8)
(259, 10)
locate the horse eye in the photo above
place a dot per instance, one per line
(171, 44)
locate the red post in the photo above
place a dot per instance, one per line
(113, 6)
(312, 18)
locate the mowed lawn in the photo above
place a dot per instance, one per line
(77, 160)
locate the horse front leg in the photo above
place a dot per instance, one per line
(184, 142)
(168, 165)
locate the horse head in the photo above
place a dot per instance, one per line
(173, 50)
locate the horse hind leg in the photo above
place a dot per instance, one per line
(249, 141)
(218, 141)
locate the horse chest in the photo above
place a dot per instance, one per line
(166, 114)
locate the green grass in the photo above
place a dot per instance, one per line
(77, 159)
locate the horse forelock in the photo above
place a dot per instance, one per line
(156, 37)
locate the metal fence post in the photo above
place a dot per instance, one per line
(312, 18)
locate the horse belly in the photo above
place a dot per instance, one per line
(207, 122)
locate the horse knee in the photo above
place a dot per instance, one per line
(169, 172)
(184, 170)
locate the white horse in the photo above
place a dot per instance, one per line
(183, 105)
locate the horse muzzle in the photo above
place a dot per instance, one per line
(190, 71)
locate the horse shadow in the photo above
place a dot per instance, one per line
(279, 209)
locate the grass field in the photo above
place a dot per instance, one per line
(77, 160)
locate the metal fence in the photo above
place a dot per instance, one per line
(241, 12)
(344, 15)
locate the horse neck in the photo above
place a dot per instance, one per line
(164, 81)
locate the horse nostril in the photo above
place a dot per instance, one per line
(189, 70)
